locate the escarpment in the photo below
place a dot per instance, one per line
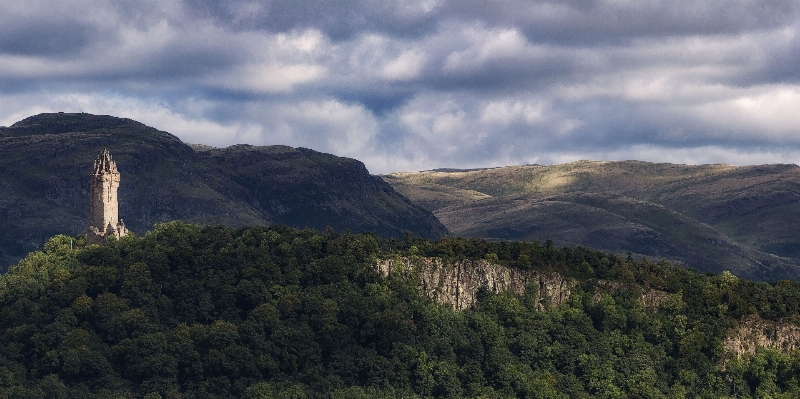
(753, 333)
(458, 282)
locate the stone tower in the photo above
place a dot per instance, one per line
(104, 218)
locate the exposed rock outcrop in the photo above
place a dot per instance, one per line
(458, 282)
(753, 332)
(653, 298)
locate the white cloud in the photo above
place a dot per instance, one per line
(269, 78)
(506, 112)
(767, 113)
(327, 125)
(405, 67)
(487, 45)
(275, 63)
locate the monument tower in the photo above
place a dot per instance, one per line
(104, 218)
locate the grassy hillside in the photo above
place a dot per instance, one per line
(44, 185)
(711, 217)
(272, 312)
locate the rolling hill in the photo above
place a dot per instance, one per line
(46, 159)
(709, 217)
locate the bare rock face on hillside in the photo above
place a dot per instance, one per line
(459, 282)
(753, 333)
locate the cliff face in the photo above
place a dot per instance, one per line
(459, 282)
(753, 333)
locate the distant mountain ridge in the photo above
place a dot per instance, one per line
(709, 217)
(46, 159)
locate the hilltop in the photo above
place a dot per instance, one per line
(709, 217)
(46, 160)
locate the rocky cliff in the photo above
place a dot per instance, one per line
(753, 332)
(458, 282)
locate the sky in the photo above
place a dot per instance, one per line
(420, 84)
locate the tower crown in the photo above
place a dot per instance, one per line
(104, 163)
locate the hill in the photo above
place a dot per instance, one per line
(709, 217)
(272, 312)
(46, 160)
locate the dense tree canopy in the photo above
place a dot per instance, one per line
(261, 312)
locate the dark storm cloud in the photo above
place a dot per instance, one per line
(48, 38)
(419, 84)
(778, 64)
(339, 19)
(593, 21)
(379, 100)
(566, 21)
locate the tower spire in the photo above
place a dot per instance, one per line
(104, 163)
(103, 206)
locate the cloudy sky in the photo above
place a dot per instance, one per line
(420, 84)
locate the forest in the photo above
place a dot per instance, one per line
(188, 311)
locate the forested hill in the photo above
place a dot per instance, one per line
(44, 185)
(215, 312)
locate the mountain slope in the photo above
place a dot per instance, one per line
(324, 190)
(711, 217)
(46, 159)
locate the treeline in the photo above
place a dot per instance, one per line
(261, 312)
